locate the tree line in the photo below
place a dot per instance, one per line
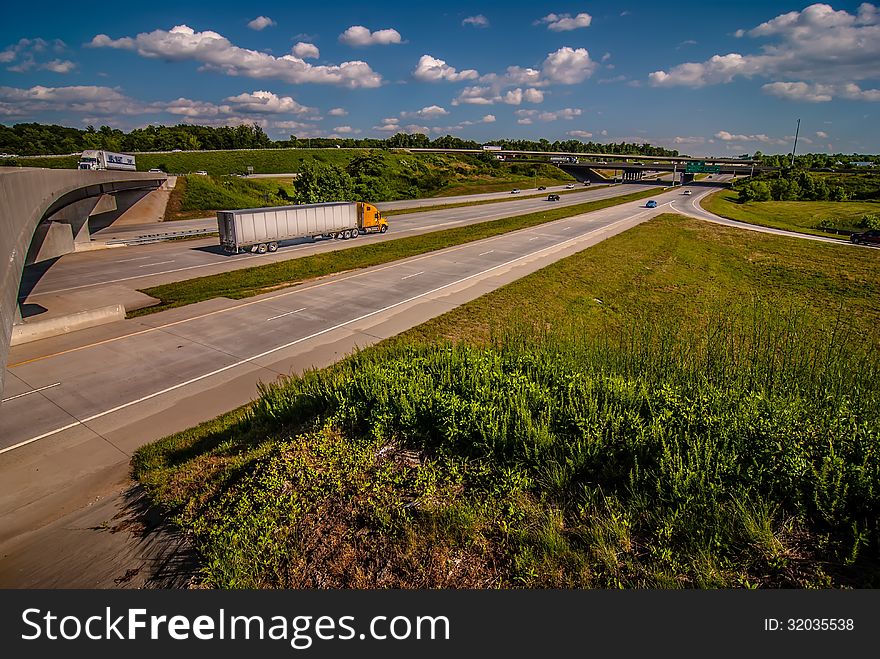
(35, 139)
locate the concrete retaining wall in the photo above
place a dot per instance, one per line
(43, 329)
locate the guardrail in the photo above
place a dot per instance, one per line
(159, 237)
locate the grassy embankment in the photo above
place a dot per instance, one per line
(682, 405)
(404, 175)
(247, 282)
(801, 216)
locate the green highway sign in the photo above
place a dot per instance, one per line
(700, 167)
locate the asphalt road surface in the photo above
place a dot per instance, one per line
(161, 263)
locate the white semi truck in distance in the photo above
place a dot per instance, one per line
(261, 229)
(106, 160)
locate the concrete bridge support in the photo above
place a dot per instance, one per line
(54, 206)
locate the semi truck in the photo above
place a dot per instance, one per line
(261, 229)
(105, 160)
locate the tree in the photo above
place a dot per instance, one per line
(317, 184)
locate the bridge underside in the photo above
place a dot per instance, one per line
(46, 213)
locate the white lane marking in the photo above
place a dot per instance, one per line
(148, 265)
(413, 275)
(534, 238)
(566, 228)
(32, 391)
(282, 315)
(138, 258)
(484, 253)
(290, 344)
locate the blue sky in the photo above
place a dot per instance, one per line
(719, 78)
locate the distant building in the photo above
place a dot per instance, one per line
(862, 163)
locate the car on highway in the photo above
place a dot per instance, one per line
(552, 197)
(570, 186)
(586, 183)
(202, 172)
(155, 170)
(514, 191)
(871, 237)
(542, 187)
(687, 192)
(651, 204)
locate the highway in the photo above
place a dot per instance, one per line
(110, 276)
(77, 406)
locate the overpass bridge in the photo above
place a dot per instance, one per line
(46, 213)
(632, 166)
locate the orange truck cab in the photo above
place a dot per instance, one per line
(370, 219)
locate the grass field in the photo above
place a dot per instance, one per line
(247, 282)
(682, 405)
(802, 216)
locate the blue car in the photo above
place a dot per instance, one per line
(651, 204)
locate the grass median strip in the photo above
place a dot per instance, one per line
(482, 202)
(260, 279)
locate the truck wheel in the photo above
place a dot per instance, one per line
(346, 234)
(273, 247)
(384, 228)
(261, 248)
(355, 233)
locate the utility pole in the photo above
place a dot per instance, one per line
(794, 148)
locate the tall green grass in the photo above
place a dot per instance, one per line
(647, 456)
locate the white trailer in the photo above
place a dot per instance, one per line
(106, 160)
(261, 229)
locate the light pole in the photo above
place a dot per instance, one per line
(794, 148)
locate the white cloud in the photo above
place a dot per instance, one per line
(515, 75)
(565, 22)
(426, 112)
(431, 69)
(261, 23)
(358, 35)
(305, 50)
(58, 66)
(338, 112)
(532, 95)
(346, 130)
(725, 136)
(603, 133)
(254, 103)
(569, 66)
(267, 102)
(488, 95)
(25, 55)
(97, 101)
(819, 45)
(821, 134)
(217, 53)
(565, 113)
(488, 119)
(477, 21)
(581, 134)
(513, 97)
(800, 91)
(820, 93)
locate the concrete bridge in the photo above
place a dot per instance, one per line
(46, 213)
